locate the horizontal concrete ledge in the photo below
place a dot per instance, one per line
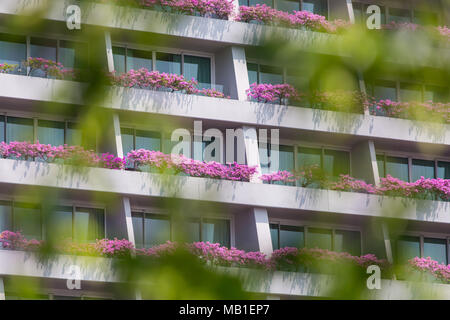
(251, 113)
(320, 285)
(138, 184)
(209, 29)
(22, 263)
(96, 269)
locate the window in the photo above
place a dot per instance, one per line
(443, 170)
(13, 50)
(51, 132)
(287, 5)
(333, 162)
(382, 90)
(133, 139)
(264, 74)
(269, 157)
(5, 216)
(72, 54)
(436, 94)
(19, 129)
(198, 68)
(397, 167)
(410, 92)
(168, 62)
(409, 247)
(425, 18)
(422, 168)
(315, 6)
(154, 229)
(88, 224)
(303, 236)
(399, 15)
(360, 9)
(27, 220)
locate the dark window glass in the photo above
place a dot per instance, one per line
(27, 220)
(399, 15)
(192, 230)
(287, 5)
(319, 238)
(61, 222)
(148, 140)
(421, 168)
(443, 170)
(436, 94)
(436, 249)
(72, 54)
(168, 62)
(75, 136)
(89, 224)
(19, 129)
(383, 90)
(127, 139)
(2, 128)
(252, 69)
(260, 2)
(216, 231)
(137, 59)
(42, 48)
(13, 50)
(269, 74)
(274, 236)
(316, 6)
(198, 68)
(138, 226)
(407, 248)
(309, 156)
(397, 167)
(347, 241)
(51, 132)
(336, 162)
(292, 236)
(157, 230)
(380, 163)
(410, 92)
(119, 59)
(5, 216)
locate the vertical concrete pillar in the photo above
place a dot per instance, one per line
(364, 162)
(109, 53)
(338, 9)
(252, 151)
(2, 290)
(231, 72)
(253, 231)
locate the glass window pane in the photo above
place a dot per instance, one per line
(397, 167)
(127, 139)
(168, 62)
(421, 168)
(42, 48)
(271, 75)
(443, 170)
(27, 220)
(308, 157)
(292, 236)
(260, 2)
(252, 69)
(287, 5)
(192, 231)
(74, 135)
(119, 59)
(380, 163)
(60, 224)
(274, 236)
(286, 158)
(148, 140)
(436, 94)
(399, 15)
(383, 90)
(19, 129)
(336, 162)
(407, 248)
(2, 128)
(89, 224)
(358, 12)
(5, 216)
(436, 249)
(157, 230)
(13, 50)
(198, 68)
(51, 132)
(319, 238)
(138, 222)
(316, 6)
(410, 92)
(71, 54)
(347, 241)
(216, 231)
(137, 59)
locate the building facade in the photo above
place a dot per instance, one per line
(222, 55)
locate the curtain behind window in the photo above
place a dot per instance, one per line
(198, 68)
(51, 132)
(19, 129)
